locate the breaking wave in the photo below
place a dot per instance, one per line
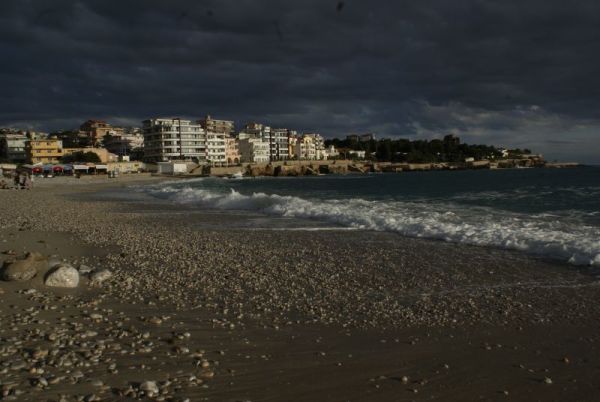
(566, 238)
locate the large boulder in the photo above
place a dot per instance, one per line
(25, 269)
(64, 276)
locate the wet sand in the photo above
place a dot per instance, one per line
(213, 313)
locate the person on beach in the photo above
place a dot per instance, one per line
(22, 178)
(28, 183)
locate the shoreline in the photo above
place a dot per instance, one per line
(401, 307)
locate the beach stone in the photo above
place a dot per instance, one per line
(149, 387)
(84, 269)
(65, 276)
(24, 270)
(101, 275)
(54, 262)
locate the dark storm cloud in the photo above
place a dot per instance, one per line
(506, 72)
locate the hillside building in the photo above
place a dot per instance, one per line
(211, 125)
(95, 130)
(129, 140)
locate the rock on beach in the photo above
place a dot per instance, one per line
(65, 276)
(25, 269)
(100, 275)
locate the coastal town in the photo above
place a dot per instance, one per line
(210, 146)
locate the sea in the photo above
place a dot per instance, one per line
(552, 213)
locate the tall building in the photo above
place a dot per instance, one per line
(174, 139)
(277, 138)
(278, 143)
(217, 126)
(215, 148)
(44, 150)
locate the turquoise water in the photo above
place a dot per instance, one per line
(548, 212)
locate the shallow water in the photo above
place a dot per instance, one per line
(549, 212)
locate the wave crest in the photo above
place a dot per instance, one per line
(565, 239)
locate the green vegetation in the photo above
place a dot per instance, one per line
(419, 151)
(81, 157)
(72, 139)
(106, 140)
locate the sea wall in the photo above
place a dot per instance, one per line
(308, 168)
(289, 168)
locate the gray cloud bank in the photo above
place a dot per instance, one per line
(512, 73)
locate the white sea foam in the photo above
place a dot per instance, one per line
(562, 238)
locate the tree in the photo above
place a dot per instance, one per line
(91, 157)
(81, 156)
(72, 139)
(384, 150)
(107, 139)
(136, 154)
(420, 151)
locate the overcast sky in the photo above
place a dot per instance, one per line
(511, 73)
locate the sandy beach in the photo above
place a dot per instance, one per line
(197, 311)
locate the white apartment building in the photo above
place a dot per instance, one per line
(330, 152)
(254, 150)
(174, 139)
(277, 138)
(305, 148)
(311, 147)
(216, 148)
